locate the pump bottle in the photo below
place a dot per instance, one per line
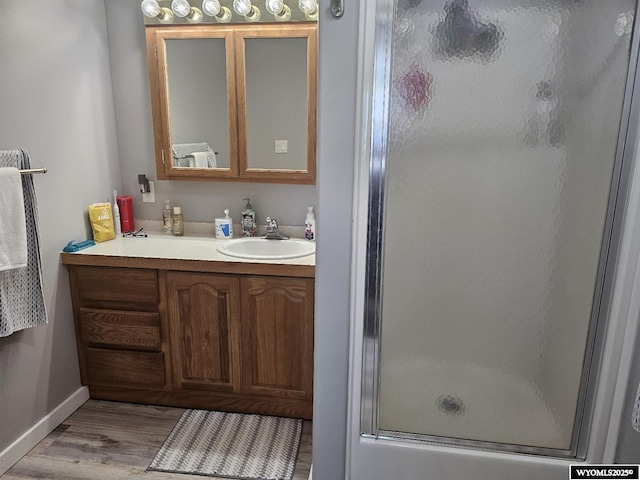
(310, 225)
(248, 220)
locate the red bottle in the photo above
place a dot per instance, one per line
(125, 204)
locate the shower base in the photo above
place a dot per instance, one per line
(467, 402)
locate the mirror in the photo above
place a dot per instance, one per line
(234, 102)
(199, 118)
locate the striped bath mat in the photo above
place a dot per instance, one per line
(231, 445)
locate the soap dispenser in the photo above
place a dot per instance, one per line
(310, 225)
(248, 220)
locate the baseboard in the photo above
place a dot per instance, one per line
(29, 439)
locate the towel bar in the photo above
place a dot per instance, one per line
(30, 171)
(187, 156)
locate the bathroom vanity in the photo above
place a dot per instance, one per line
(193, 328)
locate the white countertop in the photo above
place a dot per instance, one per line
(192, 247)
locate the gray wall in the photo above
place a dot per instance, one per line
(338, 52)
(200, 201)
(56, 102)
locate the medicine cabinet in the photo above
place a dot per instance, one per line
(234, 102)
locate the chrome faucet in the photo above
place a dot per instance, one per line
(272, 232)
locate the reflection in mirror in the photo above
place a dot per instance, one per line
(276, 103)
(197, 78)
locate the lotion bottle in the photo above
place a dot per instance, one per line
(248, 220)
(178, 222)
(310, 225)
(224, 226)
(167, 218)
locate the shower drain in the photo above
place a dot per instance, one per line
(450, 405)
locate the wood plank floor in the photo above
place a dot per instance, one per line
(115, 441)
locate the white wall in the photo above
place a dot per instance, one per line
(337, 119)
(56, 102)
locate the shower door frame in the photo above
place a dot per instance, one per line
(376, 121)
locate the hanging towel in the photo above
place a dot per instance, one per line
(13, 229)
(21, 295)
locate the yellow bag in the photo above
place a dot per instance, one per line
(101, 222)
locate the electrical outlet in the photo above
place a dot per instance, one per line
(281, 146)
(151, 196)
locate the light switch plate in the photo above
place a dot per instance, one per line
(281, 146)
(151, 196)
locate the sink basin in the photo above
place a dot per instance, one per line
(263, 249)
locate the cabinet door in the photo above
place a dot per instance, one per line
(277, 336)
(205, 333)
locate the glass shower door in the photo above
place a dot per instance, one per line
(490, 218)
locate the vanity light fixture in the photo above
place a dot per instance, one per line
(213, 9)
(151, 9)
(309, 8)
(250, 12)
(279, 10)
(182, 9)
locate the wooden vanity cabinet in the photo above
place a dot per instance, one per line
(118, 328)
(205, 331)
(277, 336)
(196, 339)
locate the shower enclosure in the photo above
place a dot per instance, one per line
(497, 149)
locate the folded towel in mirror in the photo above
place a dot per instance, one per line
(183, 150)
(200, 160)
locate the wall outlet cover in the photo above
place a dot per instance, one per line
(281, 146)
(151, 196)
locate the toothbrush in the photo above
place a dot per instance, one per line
(116, 213)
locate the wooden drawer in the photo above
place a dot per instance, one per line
(120, 328)
(120, 287)
(121, 367)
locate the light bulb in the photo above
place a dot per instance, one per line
(195, 16)
(253, 15)
(274, 7)
(211, 7)
(284, 15)
(224, 16)
(150, 8)
(242, 7)
(308, 7)
(181, 8)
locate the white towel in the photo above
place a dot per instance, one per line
(22, 302)
(13, 228)
(200, 159)
(183, 154)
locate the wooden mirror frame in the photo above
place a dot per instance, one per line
(234, 36)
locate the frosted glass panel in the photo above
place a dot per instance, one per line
(504, 121)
